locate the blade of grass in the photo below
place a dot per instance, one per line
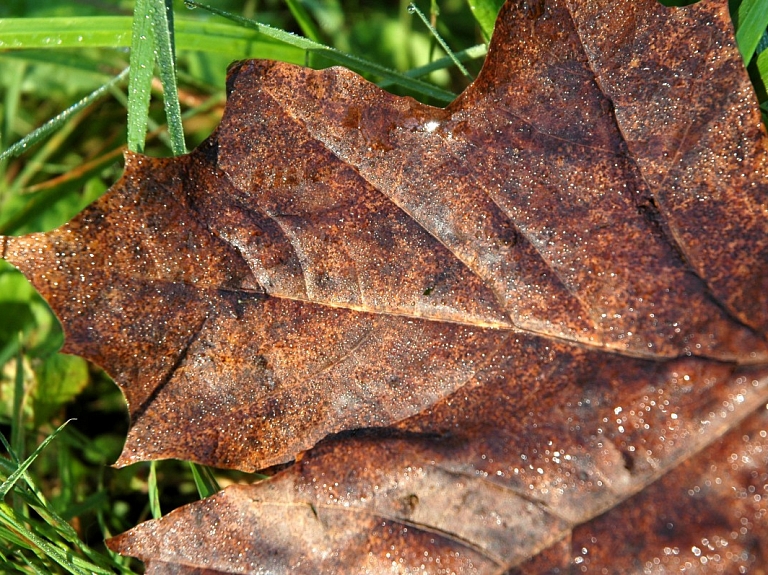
(142, 64)
(8, 484)
(162, 24)
(204, 480)
(63, 557)
(90, 31)
(414, 10)
(35, 568)
(115, 32)
(348, 60)
(43, 195)
(17, 421)
(152, 124)
(54, 526)
(304, 20)
(11, 101)
(153, 491)
(92, 502)
(111, 155)
(33, 166)
(58, 120)
(471, 53)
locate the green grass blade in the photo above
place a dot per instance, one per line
(37, 162)
(17, 421)
(471, 53)
(348, 60)
(8, 484)
(414, 10)
(304, 20)
(485, 12)
(81, 32)
(63, 557)
(752, 21)
(235, 41)
(115, 32)
(4, 465)
(11, 101)
(57, 121)
(153, 491)
(204, 480)
(140, 79)
(162, 25)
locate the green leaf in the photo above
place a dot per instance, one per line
(485, 12)
(59, 379)
(22, 307)
(751, 22)
(15, 296)
(762, 66)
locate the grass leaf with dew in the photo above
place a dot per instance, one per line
(414, 10)
(12, 521)
(21, 34)
(162, 24)
(66, 32)
(8, 484)
(142, 69)
(57, 121)
(352, 62)
(304, 20)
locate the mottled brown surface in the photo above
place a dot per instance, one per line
(524, 329)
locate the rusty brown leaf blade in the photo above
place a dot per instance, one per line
(528, 331)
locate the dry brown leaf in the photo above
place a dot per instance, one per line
(542, 308)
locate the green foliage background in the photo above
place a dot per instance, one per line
(69, 107)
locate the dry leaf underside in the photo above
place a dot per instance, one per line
(527, 331)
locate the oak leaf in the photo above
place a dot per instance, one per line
(526, 331)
